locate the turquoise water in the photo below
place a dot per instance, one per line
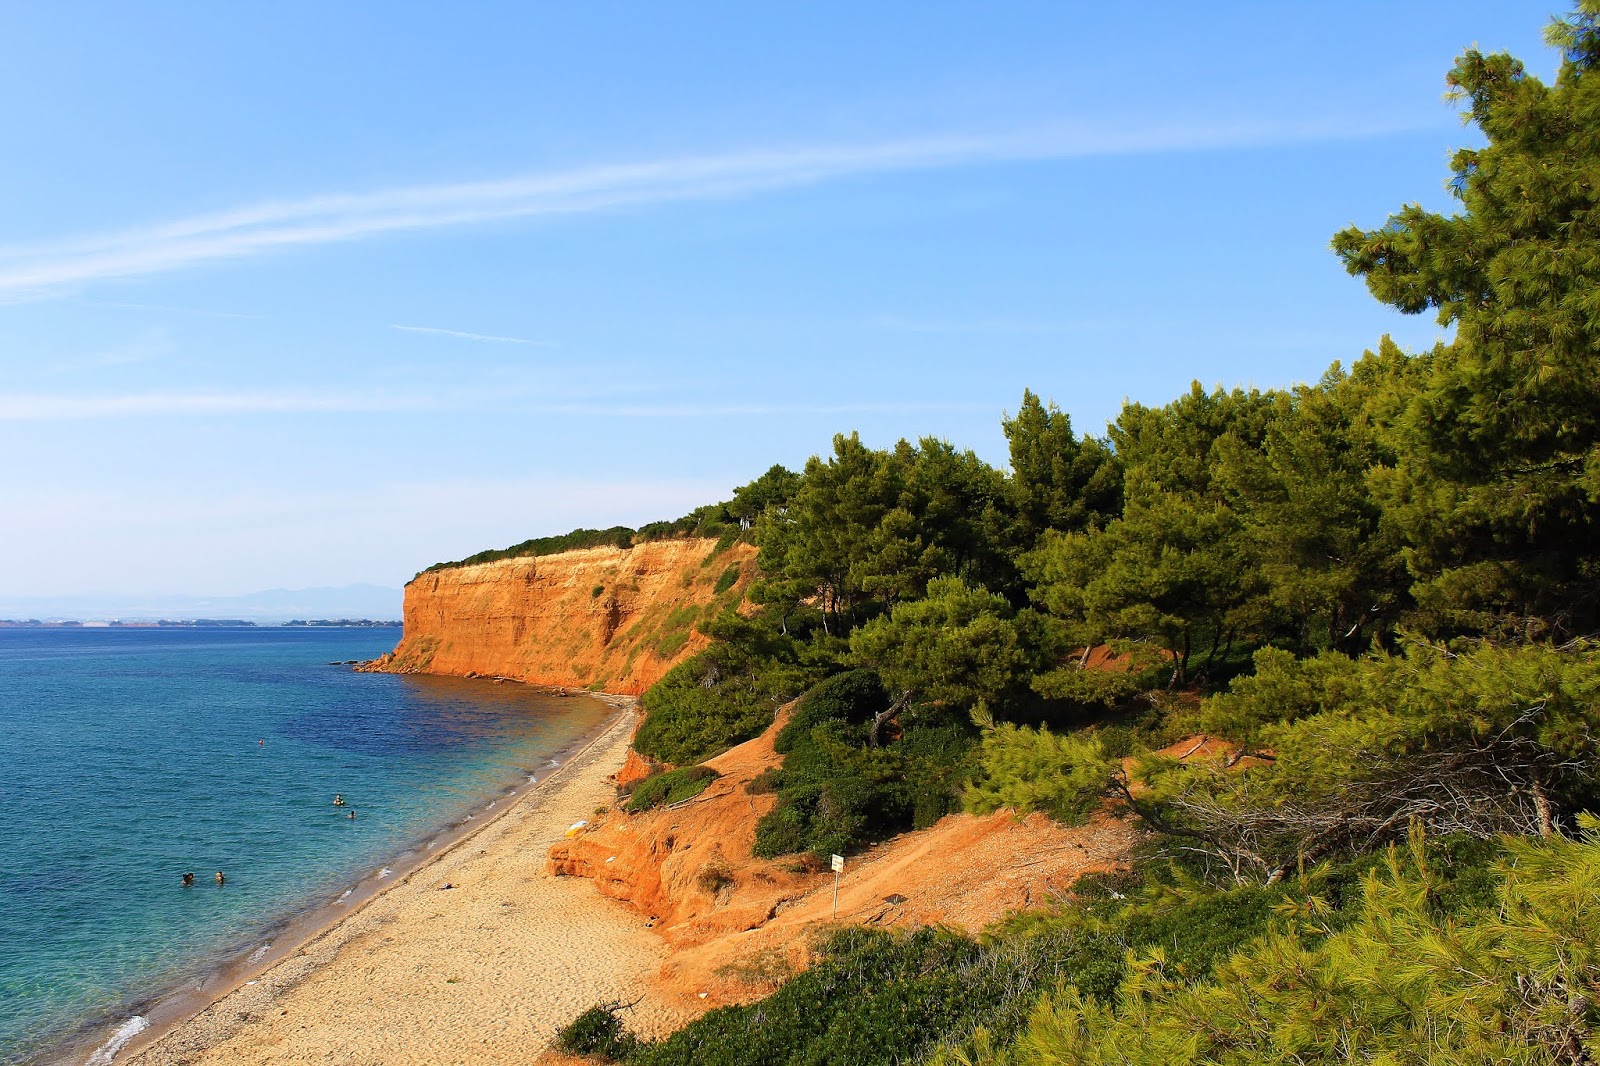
(128, 757)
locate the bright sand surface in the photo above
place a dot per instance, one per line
(484, 972)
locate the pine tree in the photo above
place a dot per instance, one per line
(1497, 481)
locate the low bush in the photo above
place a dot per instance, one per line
(729, 578)
(615, 537)
(765, 783)
(714, 879)
(708, 703)
(1064, 775)
(598, 1032)
(669, 787)
(1397, 975)
(836, 792)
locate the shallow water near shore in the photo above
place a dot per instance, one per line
(128, 757)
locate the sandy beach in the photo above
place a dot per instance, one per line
(483, 971)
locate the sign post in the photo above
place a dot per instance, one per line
(838, 868)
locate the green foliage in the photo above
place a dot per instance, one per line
(1480, 742)
(959, 646)
(1402, 981)
(866, 528)
(1174, 566)
(615, 537)
(772, 490)
(712, 701)
(835, 792)
(1496, 480)
(853, 697)
(669, 787)
(729, 578)
(1036, 770)
(879, 998)
(671, 643)
(598, 1032)
(1057, 480)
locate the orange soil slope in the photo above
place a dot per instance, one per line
(739, 924)
(609, 619)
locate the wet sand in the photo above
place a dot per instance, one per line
(484, 971)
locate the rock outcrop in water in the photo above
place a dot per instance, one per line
(608, 619)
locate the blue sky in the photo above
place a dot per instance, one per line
(310, 294)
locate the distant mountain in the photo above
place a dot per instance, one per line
(266, 607)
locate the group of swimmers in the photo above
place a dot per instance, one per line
(221, 879)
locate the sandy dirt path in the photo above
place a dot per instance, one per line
(483, 972)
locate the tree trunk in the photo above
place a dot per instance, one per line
(888, 714)
(1541, 804)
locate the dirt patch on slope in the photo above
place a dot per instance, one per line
(739, 925)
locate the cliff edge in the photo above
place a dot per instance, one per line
(607, 619)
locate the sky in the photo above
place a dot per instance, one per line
(307, 294)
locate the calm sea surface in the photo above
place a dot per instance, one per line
(128, 757)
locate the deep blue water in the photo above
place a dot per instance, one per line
(128, 757)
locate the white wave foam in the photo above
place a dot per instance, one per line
(259, 953)
(125, 1032)
(344, 895)
(385, 872)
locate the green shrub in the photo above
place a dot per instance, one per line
(1037, 770)
(875, 999)
(669, 787)
(596, 592)
(1400, 979)
(853, 696)
(615, 537)
(729, 578)
(598, 1031)
(835, 792)
(727, 539)
(706, 704)
(765, 783)
(672, 643)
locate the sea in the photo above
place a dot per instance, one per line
(131, 756)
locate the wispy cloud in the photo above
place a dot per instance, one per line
(487, 338)
(255, 229)
(65, 408)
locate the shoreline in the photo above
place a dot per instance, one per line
(181, 1015)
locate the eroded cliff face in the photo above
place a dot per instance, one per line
(607, 619)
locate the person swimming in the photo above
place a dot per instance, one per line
(352, 814)
(220, 879)
(188, 880)
(338, 799)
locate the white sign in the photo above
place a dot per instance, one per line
(838, 864)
